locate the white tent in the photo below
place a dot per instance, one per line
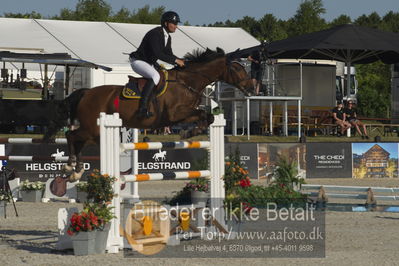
(104, 43)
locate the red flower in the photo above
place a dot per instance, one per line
(245, 183)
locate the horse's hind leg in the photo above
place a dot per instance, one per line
(76, 141)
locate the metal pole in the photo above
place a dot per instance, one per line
(248, 118)
(234, 122)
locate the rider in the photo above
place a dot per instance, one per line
(156, 44)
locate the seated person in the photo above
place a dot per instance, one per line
(351, 117)
(339, 118)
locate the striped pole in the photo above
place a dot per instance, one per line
(21, 158)
(31, 140)
(165, 145)
(166, 176)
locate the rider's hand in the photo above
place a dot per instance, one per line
(179, 62)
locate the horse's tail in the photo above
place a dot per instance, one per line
(65, 113)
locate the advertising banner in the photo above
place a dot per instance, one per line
(41, 170)
(375, 160)
(271, 153)
(329, 160)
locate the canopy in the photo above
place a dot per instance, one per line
(347, 43)
(50, 59)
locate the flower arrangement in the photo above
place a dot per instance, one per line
(100, 187)
(82, 186)
(102, 211)
(237, 182)
(100, 192)
(32, 186)
(85, 221)
(199, 184)
(4, 196)
(235, 175)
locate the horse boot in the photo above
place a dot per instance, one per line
(145, 95)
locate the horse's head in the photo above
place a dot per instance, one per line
(237, 75)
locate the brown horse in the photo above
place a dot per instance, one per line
(178, 104)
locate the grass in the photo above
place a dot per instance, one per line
(244, 138)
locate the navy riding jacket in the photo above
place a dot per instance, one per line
(153, 47)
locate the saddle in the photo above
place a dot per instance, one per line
(59, 186)
(134, 87)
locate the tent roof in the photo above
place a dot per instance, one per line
(105, 43)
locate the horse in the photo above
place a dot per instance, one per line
(177, 104)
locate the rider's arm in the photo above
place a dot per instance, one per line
(159, 51)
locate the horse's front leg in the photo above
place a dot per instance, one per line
(76, 143)
(71, 163)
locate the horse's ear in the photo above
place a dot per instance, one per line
(219, 50)
(235, 54)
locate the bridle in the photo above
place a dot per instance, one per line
(229, 72)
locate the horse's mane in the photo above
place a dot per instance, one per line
(201, 56)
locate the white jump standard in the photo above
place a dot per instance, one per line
(110, 149)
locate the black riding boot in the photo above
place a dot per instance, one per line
(145, 95)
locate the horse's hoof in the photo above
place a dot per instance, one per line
(210, 119)
(76, 176)
(67, 168)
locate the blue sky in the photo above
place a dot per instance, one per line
(198, 12)
(360, 148)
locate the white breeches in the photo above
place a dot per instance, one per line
(145, 70)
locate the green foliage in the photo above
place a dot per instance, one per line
(100, 188)
(235, 175)
(281, 191)
(375, 90)
(307, 18)
(31, 15)
(286, 173)
(99, 195)
(4, 196)
(102, 211)
(82, 186)
(259, 196)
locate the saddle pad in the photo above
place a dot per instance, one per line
(133, 91)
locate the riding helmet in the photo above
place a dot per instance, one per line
(170, 16)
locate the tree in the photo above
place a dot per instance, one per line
(87, 10)
(249, 24)
(341, 20)
(271, 29)
(123, 16)
(145, 15)
(372, 21)
(307, 18)
(390, 22)
(375, 90)
(32, 14)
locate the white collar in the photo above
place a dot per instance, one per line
(166, 35)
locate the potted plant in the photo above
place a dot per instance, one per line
(104, 215)
(81, 188)
(4, 198)
(32, 191)
(82, 230)
(199, 189)
(100, 194)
